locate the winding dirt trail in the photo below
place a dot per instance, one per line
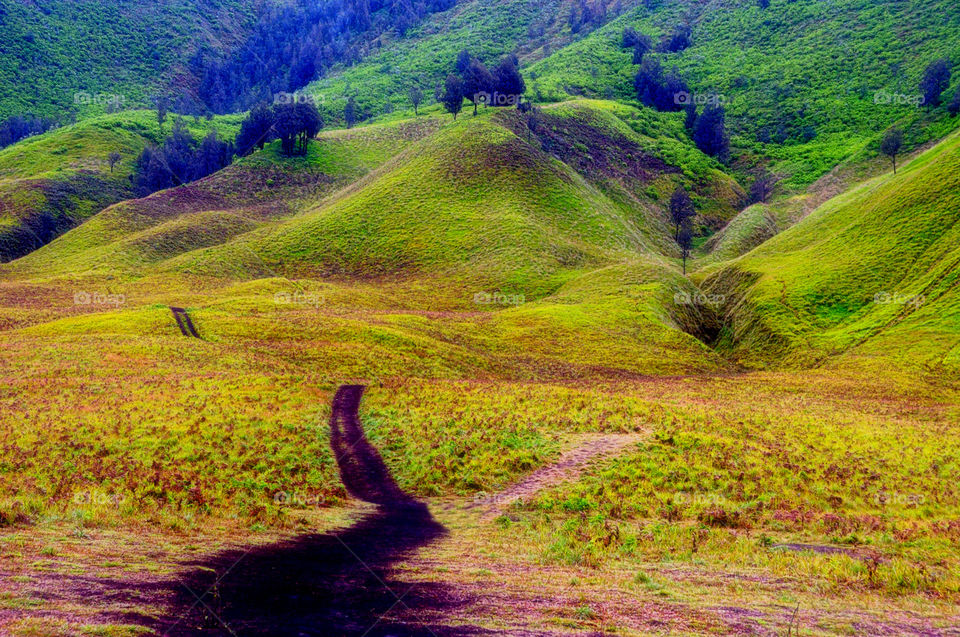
(571, 464)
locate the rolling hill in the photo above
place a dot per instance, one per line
(871, 275)
(52, 182)
(508, 247)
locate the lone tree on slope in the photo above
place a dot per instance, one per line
(681, 209)
(161, 112)
(350, 112)
(710, 133)
(453, 95)
(954, 107)
(416, 97)
(935, 81)
(891, 145)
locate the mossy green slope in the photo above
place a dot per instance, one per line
(78, 55)
(257, 190)
(814, 67)
(482, 202)
(871, 273)
(55, 181)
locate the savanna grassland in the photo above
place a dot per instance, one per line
(582, 414)
(821, 498)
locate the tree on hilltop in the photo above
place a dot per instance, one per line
(296, 124)
(478, 83)
(508, 81)
(256, 130)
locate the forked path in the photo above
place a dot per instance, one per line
(571, 465)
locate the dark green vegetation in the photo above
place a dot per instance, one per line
(427, 54)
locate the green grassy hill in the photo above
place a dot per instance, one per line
(525, 261)
(77, 55)
(52, 182)
(488, 30)
(805, 67)
(871, 274)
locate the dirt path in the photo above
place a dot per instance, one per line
(338, 583)
(570, 465)
(184, 322)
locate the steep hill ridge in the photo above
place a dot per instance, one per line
(871, 273)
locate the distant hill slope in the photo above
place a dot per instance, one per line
(488, 29)
(254, 190)
(613, 170)
(805, 73)
(481, 245)
(52, 182)
(67, 56)
(874, 272)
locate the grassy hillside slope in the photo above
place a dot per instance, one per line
(807, 70)
(75, 55)
(464, 242)
(424, 57)
(52, 182)
(871, 273)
